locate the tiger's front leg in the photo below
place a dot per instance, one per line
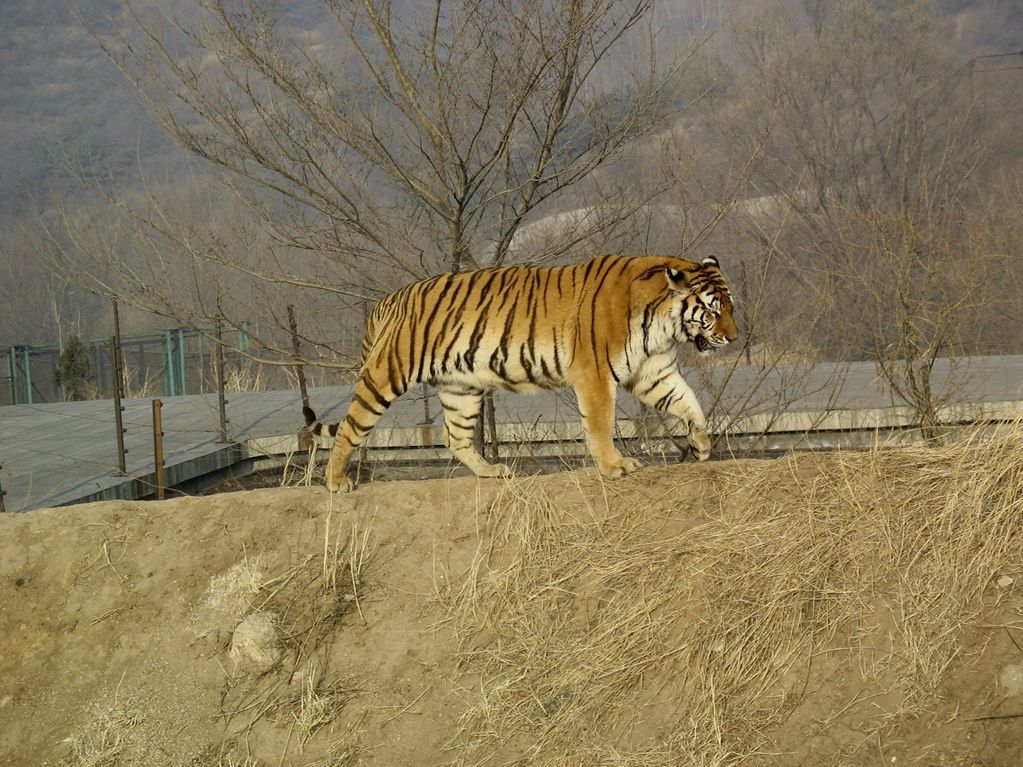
(597, 410)
(660, 385)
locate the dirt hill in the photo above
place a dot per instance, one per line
(835, 609)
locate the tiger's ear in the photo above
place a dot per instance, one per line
(676, 280)
(711, 261)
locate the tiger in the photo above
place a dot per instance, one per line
(613, 321)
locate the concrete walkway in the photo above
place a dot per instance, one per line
(57, 454)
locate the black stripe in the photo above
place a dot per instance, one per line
(662, 374)
(527, 365)
(481, 321)
(355, 426)
(666, 401)
(557, 356)
(365, 405)
(381, 401)
(451, 318)
(506, 331)
(589, 266)
(394, 377)
(609, 262)
(418, 369)
(611, 367)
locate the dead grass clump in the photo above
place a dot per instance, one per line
(308, 601)
(317, 703)
(604, 631)
(312, 597)
(102, 742)
(100, 750)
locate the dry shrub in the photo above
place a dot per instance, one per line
(619, 628)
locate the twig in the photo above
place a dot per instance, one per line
(410, 705)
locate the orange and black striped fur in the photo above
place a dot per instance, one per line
(615, 320)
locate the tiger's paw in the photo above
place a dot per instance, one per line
(700, 442)
(339, 482)
(621, 467)
(493, 471)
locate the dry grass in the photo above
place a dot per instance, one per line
(103, 743)
(135, 386)
(308, 601)
(317, 703)
(613, 628)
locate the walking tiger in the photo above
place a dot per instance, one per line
(615, 320)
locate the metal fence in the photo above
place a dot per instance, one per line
(163, 363)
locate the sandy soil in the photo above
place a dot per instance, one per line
(286, 627)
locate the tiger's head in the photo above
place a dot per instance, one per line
(704, 309)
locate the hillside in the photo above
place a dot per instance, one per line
(59, 94)
(842, 608)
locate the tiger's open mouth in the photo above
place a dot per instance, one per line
(703, 345)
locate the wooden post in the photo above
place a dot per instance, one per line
(299, 368)
(488, 403)
(115, 358)
(158, 447)
(171, 378)
(745, 301)
(27, 370)
(118, 362)
(478, 440)
(221, 384)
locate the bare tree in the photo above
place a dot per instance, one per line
(382, 141)
(923, 285)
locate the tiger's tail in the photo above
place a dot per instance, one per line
(314, 426)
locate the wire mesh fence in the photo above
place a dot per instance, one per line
(163, 363)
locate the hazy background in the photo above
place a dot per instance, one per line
(767, 121)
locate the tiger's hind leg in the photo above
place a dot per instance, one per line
(461, 411)
(369, 401)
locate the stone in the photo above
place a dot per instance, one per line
(1010, 679)
(255, 647)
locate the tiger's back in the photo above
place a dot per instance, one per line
(591, 326)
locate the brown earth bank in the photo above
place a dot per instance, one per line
(832, 609)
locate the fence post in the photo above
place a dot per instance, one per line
(488, 403)
(11, 374)
(28, 376)
(299, 368)
(182, 371)
(169, 352)
(158, 447)
(221, 384)
(243, 337)
(118, 361)
(115, 354)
